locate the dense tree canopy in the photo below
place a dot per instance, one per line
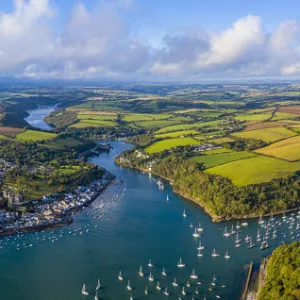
(283, 274)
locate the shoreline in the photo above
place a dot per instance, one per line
(66, 218)
(214, 218)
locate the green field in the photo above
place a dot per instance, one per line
(189, 126)
(255, 170)
(169, 144)
(156, 123)
(282, 116)
(93, 123)
(144, 117)
(221, 158)
(62, 143)
(222, 140)
(268, 135)
(217, 151)
(96, 117)
(253, 117)
(34, 135)
(287, 149)
(176, 134)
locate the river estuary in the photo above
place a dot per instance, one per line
(127, 225)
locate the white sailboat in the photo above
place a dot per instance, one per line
(167, 197)
(199, 254)
(141, 271)
(129, 288)
(150, 265)
(226, 233)
(245, 224)
(200, 247)
(214, 253)
(193, 275)
(180, 264)
(237, 226)
(98, 285)
(200, 228)
(227, 256)
(184, 214)
(164, 273)
(188, 284)
(151, 277)
(146, 290)
(260, 221)
(251, 244)
(232, 232)
(120, 277)
(83, 291)
(96, 296)
(131, 297)
(174, 283)
(158, 286)
(183, 292)
(196, 234)
(166, 292)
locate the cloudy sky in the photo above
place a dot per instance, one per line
(150, 39)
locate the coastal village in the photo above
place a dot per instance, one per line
(51, 210)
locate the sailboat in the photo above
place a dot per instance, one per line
(258, 236)
(200, 247)
(150, 277)
(180, 264)
(164, 272)
(196, 234)
(167, 197)
(237, 226)
(188, 284)
(232, 232)
(83, 291)
(98, 285)
(260, 221)
(237, 241)
(183, 291)
(158, 286)
(251, 244)
(150, 265)
(193, 275)
(197, 291)
(214, 253)
(199, 254)
(200, 228)
(141, 271)
(166, 292)
(226, 234)
(129, 288)
(96, 296)
(184, 214)
(120, 277)
(227, 256)
(146, 290)
(174, 283)
(131, 297)
(214, 279)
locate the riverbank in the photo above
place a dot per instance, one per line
(214, 218)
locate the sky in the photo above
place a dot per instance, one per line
(150, 40)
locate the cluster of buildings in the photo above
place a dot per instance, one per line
(206, 147)
(50, 210)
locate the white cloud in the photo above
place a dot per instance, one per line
(99, 42)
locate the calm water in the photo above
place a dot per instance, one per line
(134, 224)
(36, 117)
(137, 224)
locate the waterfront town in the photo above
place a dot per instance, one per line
(52, 210)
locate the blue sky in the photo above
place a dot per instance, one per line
(149, 39)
